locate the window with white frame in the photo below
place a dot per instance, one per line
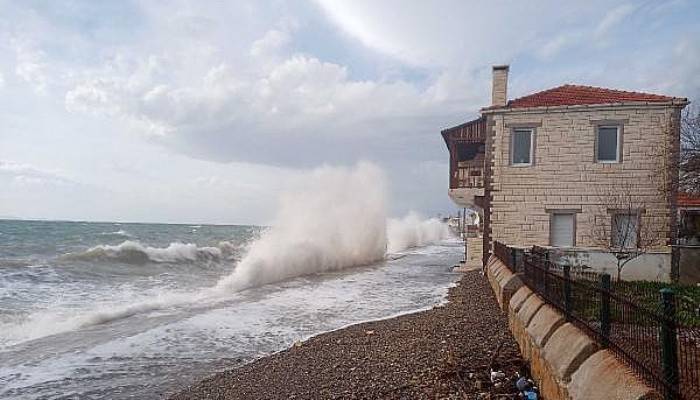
(608, 144)
(522, 146)
(625, 230)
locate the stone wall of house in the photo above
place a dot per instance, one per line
(565, 176)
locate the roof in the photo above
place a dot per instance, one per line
(569, 95)
(473, 131)
(688, 200)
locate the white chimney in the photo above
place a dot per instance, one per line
(499, 93)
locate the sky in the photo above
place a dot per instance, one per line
(205, 111)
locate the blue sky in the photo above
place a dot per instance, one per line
(196, 111)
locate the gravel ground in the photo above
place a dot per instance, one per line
(443, 353)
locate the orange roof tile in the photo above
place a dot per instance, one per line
(688, 200)
(568, 95)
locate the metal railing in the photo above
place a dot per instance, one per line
(655, 332)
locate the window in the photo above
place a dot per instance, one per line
(521, 153)
(608, 144)
(562, 229)
(625, 230)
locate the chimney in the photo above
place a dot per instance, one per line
(499, 93)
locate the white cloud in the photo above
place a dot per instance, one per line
(31, 66)
(25, 174)
(557, 44)
(613, 18)
(292, 102)
(271, 42)
(457, 32)
(178, 102)
(183, 89)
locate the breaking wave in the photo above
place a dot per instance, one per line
(133, 252)
(414, 231)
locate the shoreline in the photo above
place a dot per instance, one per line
(441, 352)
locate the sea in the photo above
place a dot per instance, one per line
(138, 311)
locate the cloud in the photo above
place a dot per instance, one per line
(613, 18)
(31, 66)
(298, 102)
(270, 43)
(458, 32)
(595, 32)
(258, 98)
(22, 174)
(33, 192)
(208, 109)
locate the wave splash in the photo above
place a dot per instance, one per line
(336, 220)
(414, 231)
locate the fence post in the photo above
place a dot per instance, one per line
(546, 274)
(567, 292)
(605, 309)
(669, 345)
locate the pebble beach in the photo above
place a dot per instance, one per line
(446, 352)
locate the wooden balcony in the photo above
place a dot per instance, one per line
(467, 175)
(467, 183)
(472, 131)
(466, 144)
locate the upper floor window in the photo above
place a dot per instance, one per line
(608, 144)
(522, 146)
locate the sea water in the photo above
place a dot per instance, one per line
(66, 329)
(118, 311)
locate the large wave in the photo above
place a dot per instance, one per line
(414, 231)
(336, 220)
(133, 252)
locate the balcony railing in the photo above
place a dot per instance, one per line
(467, 175)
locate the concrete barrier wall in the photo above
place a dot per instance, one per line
(652, 266)
(564, 361)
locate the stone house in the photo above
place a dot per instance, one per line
(568, 167)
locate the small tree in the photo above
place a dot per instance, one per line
(689, 178)
(623, 226)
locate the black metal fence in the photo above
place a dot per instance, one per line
(656, 332)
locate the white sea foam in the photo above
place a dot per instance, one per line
(120, 232)
(58, 319)
(337, 219)
(414, 231)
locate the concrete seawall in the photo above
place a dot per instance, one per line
(564, 361)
